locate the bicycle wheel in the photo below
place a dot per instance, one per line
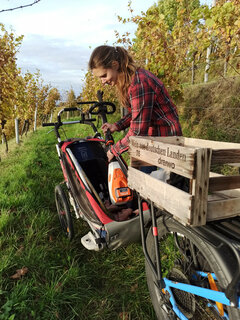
(182, 254)
(64, 213)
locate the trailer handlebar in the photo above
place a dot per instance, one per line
(50, 124)
(100, 108)
(60, 123)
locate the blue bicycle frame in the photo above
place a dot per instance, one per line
(216, 296)
(166, 284)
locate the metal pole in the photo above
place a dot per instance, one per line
(35, 118)
(208, 54)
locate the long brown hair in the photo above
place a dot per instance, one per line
(103, 56)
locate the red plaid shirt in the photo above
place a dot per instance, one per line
(152, 112)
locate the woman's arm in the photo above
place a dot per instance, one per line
(141, 99)
(124, 122)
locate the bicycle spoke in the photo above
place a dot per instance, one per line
(187, 259)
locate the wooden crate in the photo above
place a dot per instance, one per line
(211, 196)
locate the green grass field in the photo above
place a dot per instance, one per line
(43, 276)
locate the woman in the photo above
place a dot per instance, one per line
(151, 111)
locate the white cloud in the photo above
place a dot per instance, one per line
(58, 33)
(81, 22)
(61, 65)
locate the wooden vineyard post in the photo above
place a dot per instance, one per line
(17, 127)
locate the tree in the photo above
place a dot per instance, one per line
(162, 40)
(51, 102)
(22, 97)
(219, 30)
(71, 99)
(8, 74)
(170, 10)
(225, 24)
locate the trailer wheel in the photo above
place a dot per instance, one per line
(64, 213)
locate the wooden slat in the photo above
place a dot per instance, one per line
(233, 193)
(217, 197)
(170, 157)
(164, 196)
(176, 140)
(225, 156)
(223, 209)
(234, 164)
(200, 187)
(224, 183)
(201, 143)
(136, 163)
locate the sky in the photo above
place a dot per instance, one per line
(59, 35)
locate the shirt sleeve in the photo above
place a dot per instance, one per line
(124, 122)
(141, 99)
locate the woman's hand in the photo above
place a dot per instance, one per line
(111, 126)
(110, 156)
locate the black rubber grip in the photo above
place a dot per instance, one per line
(101, 108)
(71, 109)
(90, 120)
(50, 124)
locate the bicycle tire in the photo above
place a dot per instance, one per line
(64, 213)
(166, 229)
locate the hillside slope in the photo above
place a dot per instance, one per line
(212, 110)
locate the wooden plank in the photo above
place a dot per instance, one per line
(170, 157)
(176, 140)
(224, 183)
(164, 196)
(201, 143)
(222, 209)
(234, 164)
(136, 163)
(233, 193)
(200, 187)
(225, 156)
(217, 197)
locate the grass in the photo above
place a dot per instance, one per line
(63, 280)
(211, 111)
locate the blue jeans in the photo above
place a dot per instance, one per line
(148, 169)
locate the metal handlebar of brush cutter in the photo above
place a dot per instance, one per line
(108, 135)
(119, 191)
(102, 110)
